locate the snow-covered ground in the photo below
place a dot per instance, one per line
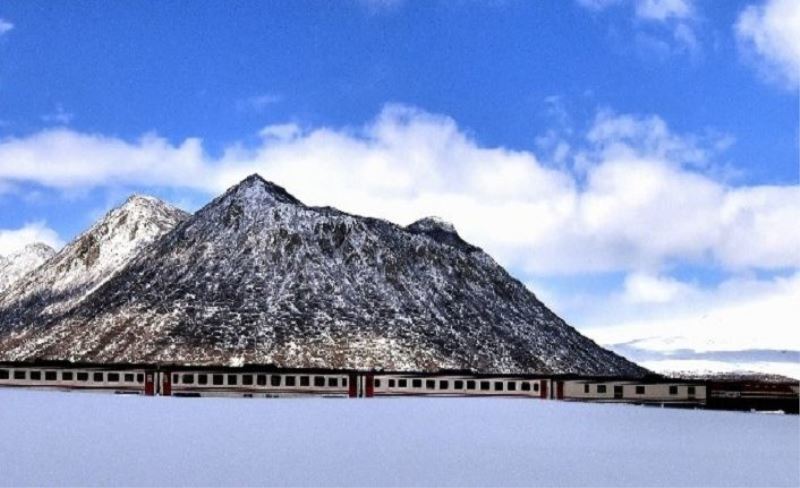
(49, 438)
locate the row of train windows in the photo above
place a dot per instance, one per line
(260, 380)
(71, 376)
(640, 390)
(459, 385)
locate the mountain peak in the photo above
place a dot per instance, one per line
(440, 231)
(256, 188)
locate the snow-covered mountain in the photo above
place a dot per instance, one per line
(82, 266)
(22, 262)
(258, 277)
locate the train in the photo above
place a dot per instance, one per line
(269, 382)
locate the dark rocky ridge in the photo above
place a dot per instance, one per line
(258, 277)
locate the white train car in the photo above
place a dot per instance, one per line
(249, 384)
(454, 386)
(628, 391)
(114, 380)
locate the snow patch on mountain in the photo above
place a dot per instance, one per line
(22, 262)
(84, 264)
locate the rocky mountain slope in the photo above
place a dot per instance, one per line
(22, 262)
(82, 266)
(258, 277)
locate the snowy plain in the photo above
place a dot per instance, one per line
(59, 438)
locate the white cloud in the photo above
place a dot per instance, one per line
(647, 288)
(381, 6)
(662, 27)
(257, 103)
(739, 314)
(13, 240)
(5, 26)
(641, 199)
(663, 10)
(771, 31)
(59, 116)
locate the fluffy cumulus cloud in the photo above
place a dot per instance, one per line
(13, 240)
(641, 198)
(771, 33)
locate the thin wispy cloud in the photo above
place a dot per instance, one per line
(5, 26)
(257, 103)
(59, 116)
(661, 27)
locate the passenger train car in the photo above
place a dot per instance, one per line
(265, 382)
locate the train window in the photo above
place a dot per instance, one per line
(535, 386)
(430, 384)
(113, 377)
(498, 386)
(334, 382)
(187, 379)
(391, 383)
(376, 382)
(247, 379)
(416, 383)
(291, 381)
(261, 380)
(484, 385)
(319, 381)
(601, 388)
(673, 390)
(586, 387)
(128, 377)
(140, 377)
(640, 390)
(691, 391)
(3, 374)
(444, 385)
(202, 379)
(217, 379)
(344, 381)
(176, 379)
(470, 385)
(402, 383)
(458, 385)
(36, 375)
(232, 379)
(82, 376)
(275, 380)
(512, 386)
(525, 386)
(304, 381)
(50, 375)
(19, 375)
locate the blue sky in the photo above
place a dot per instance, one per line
(635, 153)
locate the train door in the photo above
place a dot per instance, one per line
(353, 386)
(559, 390)
(618, 392)
(370, 386)
(166, 383)
(149, 383)
(544, 389)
